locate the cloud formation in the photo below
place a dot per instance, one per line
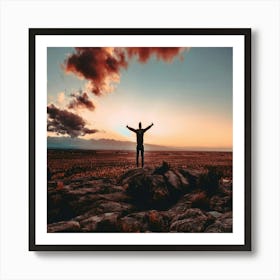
(144, 54)
(81, 100)
(102, 66)
(64, 122)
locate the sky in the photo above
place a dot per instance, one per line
(185, 92)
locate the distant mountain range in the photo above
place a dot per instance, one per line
(97, 144)
(111, 144)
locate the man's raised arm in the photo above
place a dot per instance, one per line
(148, 127)
(130, 128)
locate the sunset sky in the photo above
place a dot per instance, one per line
(186, 93)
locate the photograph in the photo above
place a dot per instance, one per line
(139, 141)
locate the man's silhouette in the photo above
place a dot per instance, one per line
(140, 135)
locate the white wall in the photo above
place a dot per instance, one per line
(17, 262)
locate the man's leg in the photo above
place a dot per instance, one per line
(137, 156)
(142, 156)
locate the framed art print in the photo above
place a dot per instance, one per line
(140, 139)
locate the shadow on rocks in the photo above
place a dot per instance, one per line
(157, 189)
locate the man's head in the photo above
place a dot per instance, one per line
(140, 125)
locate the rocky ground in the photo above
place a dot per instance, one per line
(162, 199)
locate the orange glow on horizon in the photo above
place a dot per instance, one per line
(173, 126)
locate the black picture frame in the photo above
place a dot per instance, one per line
(246, 32)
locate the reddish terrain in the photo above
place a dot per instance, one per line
(111, 164)
(102, 191)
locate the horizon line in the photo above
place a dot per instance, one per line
(148, 150)
(199, 148)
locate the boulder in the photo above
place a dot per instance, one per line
(142, 217)
(104, 206)
(149, 191)
(157, 189)
(215, 214)
(183, 204)
(162, 169)
(200, 200)
(193, 220)
(101, 206)
(131, 224)
(162, 199)
(191, 175)
(108, 222)
(220, 203)
(158, 221)
(116, 196)
(176, 181)
(148, 221)
(129, 175)
(79, 196)
(222, 224)
(68, 226)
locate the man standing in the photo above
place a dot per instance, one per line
(140, 135)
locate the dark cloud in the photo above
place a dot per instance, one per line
(81, 100)
(102, 66)
(144, 54)
(65, 122)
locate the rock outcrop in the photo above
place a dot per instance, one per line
(141, 200)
